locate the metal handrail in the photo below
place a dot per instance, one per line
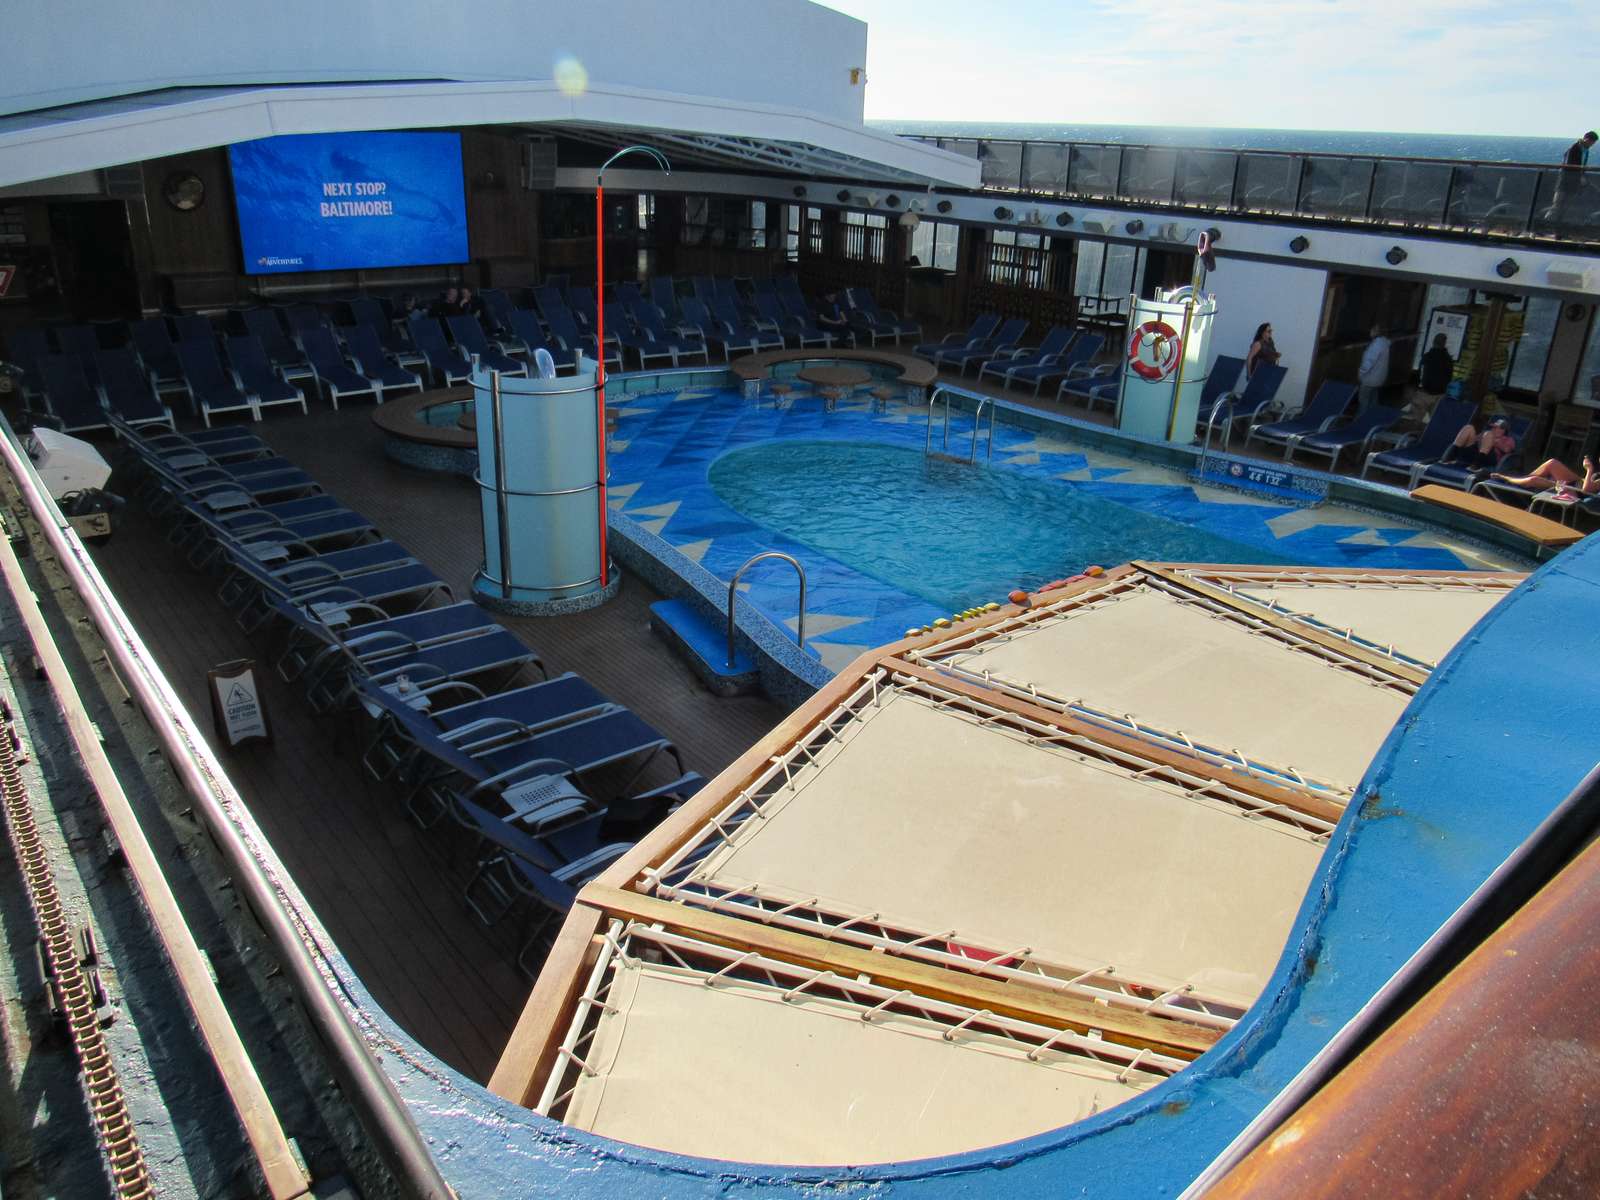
(1211, 422)
(977, 422)
(733, 585)
(370, 1090)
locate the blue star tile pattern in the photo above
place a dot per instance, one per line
(665, 444)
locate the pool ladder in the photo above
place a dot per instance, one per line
(977, 428)
(733, 587)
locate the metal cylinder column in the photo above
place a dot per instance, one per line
(540, 489)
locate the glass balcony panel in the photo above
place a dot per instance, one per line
(1002, 165)
(1410, 193)
(1335, 187)
(1205, 178)
(1094, 170)
(1049, 165)
(1493, 198)
(1267, 183)
(1148, 173)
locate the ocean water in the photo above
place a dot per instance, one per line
(1466, 146)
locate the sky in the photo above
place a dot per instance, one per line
(1516, 67)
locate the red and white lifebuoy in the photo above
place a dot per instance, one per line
(1154, 350)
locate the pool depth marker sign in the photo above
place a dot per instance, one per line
(236, 708)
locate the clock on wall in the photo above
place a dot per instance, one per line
(184, 190)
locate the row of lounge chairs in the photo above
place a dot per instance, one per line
(996, 350)
(540, 776)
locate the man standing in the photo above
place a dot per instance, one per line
(1374, 370)
(1570, 180)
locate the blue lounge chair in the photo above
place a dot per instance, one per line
(526, 326)
(686, 343)
(212, 389)
(564, 328)
(1092, 385)
(1452, 475)
(263, 324)
(153, 341)
(73, 400)
(375, 363)
(801, 333)
(336, 377)
(259, 377)
(302, 317)
(127, 391)
(877, 322)
(1359, 433)
(364, 310)
(448, 365)
(192, 327)
(1004, 341)
(469, 338)
(981, 330)
(644, 347)
(1447, 419)
(493, 652)
(312, 643)
(664, 295)
(1050, 350)
(80, 341)
(496, 309)
(735, 333)
(1326, 407)
(1260, 390)
(1070, 363)
(27, 347)
(255, 590)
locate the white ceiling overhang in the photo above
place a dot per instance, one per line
(104, 133)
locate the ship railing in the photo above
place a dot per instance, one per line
(1499, 199)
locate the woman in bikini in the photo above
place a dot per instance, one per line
(1553, 473)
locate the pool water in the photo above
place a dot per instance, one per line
(952, 534)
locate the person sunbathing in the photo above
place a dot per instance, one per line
(1480, 451)
(1553, 473)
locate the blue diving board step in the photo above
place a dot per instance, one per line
(703, 643)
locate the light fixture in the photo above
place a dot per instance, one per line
(944, 206)
(870, 199)
(1506, 268)
(1093, 226)
(1395, 256)
(1300, 245)
(799, 189)
(1003, 213)
(891, 201)
(910, 220)
(1063, 219)
(1135, 226)
(844, 197)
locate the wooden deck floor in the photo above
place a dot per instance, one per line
(386, 898)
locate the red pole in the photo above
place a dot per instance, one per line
(600, 359)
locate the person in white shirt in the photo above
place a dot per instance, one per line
(1374, 370)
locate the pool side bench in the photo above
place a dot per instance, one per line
(1544, 533)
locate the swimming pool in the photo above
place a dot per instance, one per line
(889, 544)
(952, 534)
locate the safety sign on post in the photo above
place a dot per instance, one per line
(237, 710)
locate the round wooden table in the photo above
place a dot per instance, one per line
(834, 383)
(835, 377)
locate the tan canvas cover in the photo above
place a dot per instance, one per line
(940, 823)
(1420, 622)
(1181, 668)
(733, 1072)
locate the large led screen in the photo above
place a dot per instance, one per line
(339, 201)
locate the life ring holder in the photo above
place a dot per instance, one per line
(1162, 333)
